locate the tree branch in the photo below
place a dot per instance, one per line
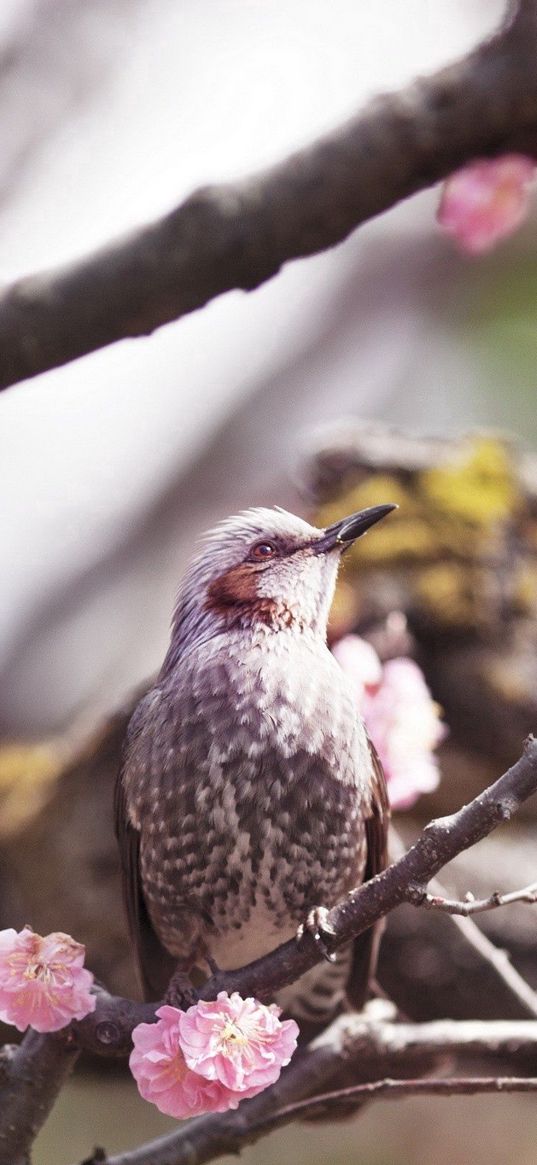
(238, 236)
(388, 1089)
(362, 1047)
(437, 845)
(31, 1077)
(107, 1031)
(42, 1062)
(489, 986)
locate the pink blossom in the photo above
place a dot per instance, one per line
(404, 725)
(158, 1066)
(212, 1056)
(401, 717)
(486, 201)
(361, 664)
(43, 982)
(239, 1042)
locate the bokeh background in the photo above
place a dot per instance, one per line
(112, 111)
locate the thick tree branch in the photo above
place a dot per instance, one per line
(31, 1077)
(238, 236)
(363, 1048)
(437, 845)
(42, 1062)
(107, 1031)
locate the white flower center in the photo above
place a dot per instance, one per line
(231, 1036)
(38, 971)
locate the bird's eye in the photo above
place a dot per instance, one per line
(262, 551)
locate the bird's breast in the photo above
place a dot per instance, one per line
(251, 805)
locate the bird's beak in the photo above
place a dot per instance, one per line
(342, 534)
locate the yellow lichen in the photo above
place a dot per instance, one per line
(406, 539)
(451, 593)
(478, 486)
(376, 490)
(445, 535)
(27, 771)
(405, 534)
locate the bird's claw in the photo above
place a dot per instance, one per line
(317, 925)
(180, 992)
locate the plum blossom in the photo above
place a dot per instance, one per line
(43, 982)
(360, 662)
(486, 201)
(400, 715)
(212, 1056)
(158, 1066)
(239, 1042)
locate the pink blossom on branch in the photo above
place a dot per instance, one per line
(212, 1056)
(400, 715)
(158, 1066)
(43, 982)
(486, 201)
(239, 1042)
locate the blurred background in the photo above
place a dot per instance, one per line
(111, 112)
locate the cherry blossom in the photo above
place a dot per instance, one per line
(486, 201)
(400, 715)
(43, 982)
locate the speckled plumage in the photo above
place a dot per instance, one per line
(248, 793)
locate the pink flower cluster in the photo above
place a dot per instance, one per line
(486, 201)
(43, 982)
(401, 717)
(211, 1057)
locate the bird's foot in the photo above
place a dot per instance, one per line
(212, 965)
(180, 992)
(317, 925)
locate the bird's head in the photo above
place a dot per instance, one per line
(264, 568)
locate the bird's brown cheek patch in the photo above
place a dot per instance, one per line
(233, 588)
(235, 594)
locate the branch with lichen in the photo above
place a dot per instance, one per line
(240, 235)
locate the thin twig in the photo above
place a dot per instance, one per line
(516, 999)
(500, 961)
(470, 905)
(389, 1089)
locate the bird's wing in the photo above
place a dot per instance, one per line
(365, 947)
(155, 966)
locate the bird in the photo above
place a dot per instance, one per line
(249, 798)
